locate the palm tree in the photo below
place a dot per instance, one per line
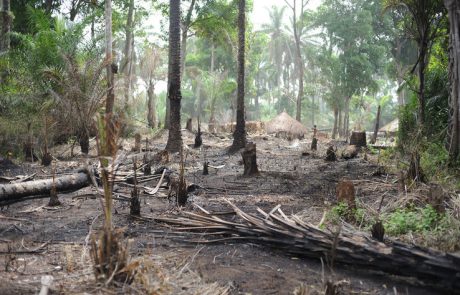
(239, 136)
(277, 39)
(174, 143)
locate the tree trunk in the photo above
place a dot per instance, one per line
(453, 8)
(151, 105)
(126, 67)
(239, 136)
(340, 126)
(346, 118)
(185, 28)
(336, 115)
(174, 143)
(421, 75)
(17, 191)
(5, 28)
(249, 155)
(376, 129)
(110, 100)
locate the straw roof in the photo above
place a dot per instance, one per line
(285, 123)
(393, 126)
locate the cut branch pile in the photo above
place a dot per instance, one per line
(293, 236)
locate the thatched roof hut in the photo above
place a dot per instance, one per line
(391, 127)
(283, 123)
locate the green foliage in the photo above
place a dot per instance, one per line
(434, 161)
(410, 219)
(342, 211)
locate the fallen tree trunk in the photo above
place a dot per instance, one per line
(294, 236)
(15, 191)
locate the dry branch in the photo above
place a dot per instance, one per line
(292, 235)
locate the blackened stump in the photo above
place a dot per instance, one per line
(250, 159)
(314, 144)
(358, 138)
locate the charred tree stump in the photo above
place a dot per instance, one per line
(314, 144)
(47, 159)
(135, 204)
(330, 154)
(147, 166)
(198, 139)
(250, 159)
(54, 200)
(83, 140)
(415, 172)
(358, 138)
(376, 129)
(189, 125)
(205, 168)
(137, 143)
(378, 231)
(345, 191)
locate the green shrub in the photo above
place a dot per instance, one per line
(341, 211)
(434, 160)
(410, 219)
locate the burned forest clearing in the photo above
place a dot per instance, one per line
(176, 253)
(228, 147)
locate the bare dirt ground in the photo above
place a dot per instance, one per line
(37, 240)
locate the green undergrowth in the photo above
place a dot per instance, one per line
(422, 225)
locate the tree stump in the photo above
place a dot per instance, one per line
(250, 159)
(147, 166)
(314, 144)
(358, 138)
(330, 154)
(188, 125)
(205, 168)
(350, 152)
(345, 191)
(378, 231)
(47, 159)
(137, 143)
(54, 200)
(83, 141)
(135, 204)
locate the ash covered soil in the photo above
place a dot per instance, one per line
(37, 240)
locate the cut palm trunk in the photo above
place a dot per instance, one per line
(296, 237)
(16, 191)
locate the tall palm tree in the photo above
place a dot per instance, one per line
(239, 136)
(174, 143)
(277, 39)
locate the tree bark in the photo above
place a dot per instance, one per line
(174, 143)
(336, 115)
(110, 100)
(239, 136)
(376, 129)
(17, 191)
(151, 105)
(6, 20)
(126, 67)
(453, 8)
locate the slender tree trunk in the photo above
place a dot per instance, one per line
(453, 9)
(126, 67)
(151, 105)
(336, 115)
(174, 143)
(340, 125)
(5, 26)
(377, 124)
(239, 136)
(346, 118)
(185, 27)
(421, 75)
(110, 100)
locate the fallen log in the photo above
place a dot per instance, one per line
(294, 236)
(16, 191)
